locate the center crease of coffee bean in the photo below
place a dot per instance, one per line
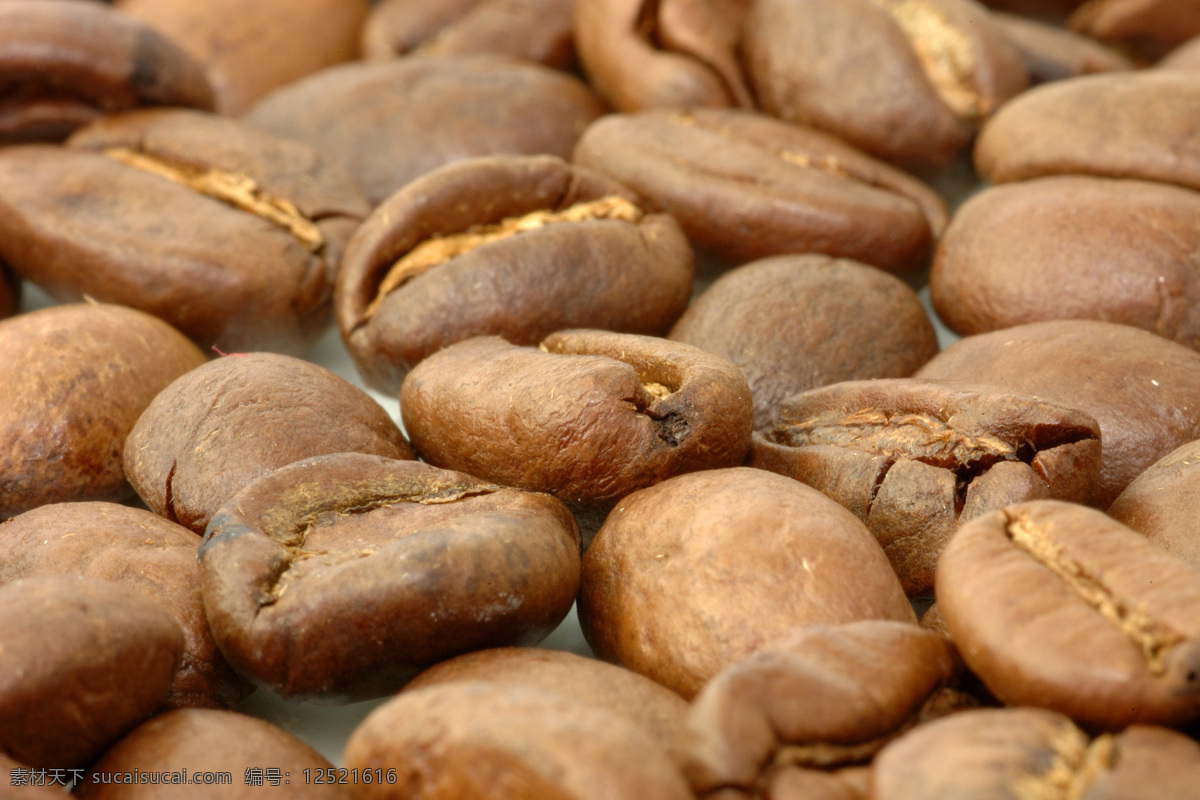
(239, 191)
(439, 249)
(1152, 637)
(945, 54)
(1073, 767)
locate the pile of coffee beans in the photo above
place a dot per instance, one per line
(824, 373)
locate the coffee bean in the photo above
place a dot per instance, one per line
(66, 63)
(529, 30)
(914, 459)
(75, 380)
(340, 577)
(1160, 503)
(1052, 53)
(745, 186)
(219, 427)
(389, 123)
(513, 246)
(83, 661)
(857, 323)
(1058, 606)
(1149, 27)
(700, 571)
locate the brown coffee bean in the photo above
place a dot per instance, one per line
(1184, 57)
(1030, 752)
(587, 416)
(904, 80)
(914, 459)
(1149, 27)
(1161, 503)
(249, 49)
(526, 30)
(683, 580)
(229, 234)
(670, 54)
(215, 430)
(340, 577)
(83, 661)
(391, 122)
(1052, 53)
(1142, 389)
(216, 751)
(745, 186)
(75, 380)
(1072, 247)
(1120, 125)
(64, 64)
(513, 246)
(821, 698)
(476, 741)
(103, 541)
(655, 709)
(858, 323)
(1058, 606)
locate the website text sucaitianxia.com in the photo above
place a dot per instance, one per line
(253, 776)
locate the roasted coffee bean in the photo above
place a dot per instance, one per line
(144, 552)
(203, 753)
(513, 246)
(478, 741)
(340, 577)
(65, 63)
(794, 323)
(391, 122)
(745, 186)
(904, 80)
(1033, 753)
(1072, 247)
(228, 233)
(1148, 27)
(1120, 125)
(662, 53)
(83, 661)
(1161, 503)
(1142, 389)
(587, 416)
(1052, 53)
(655, 709)
(914, 459)
(525, 30)
(702, 570)
(1185, 57)
(215, 430)
(1058, 606)
(819, 699)
(75, 379)
(249, 49)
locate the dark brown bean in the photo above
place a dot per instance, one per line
(75, 380)
(1150, 27)
(588, 416)
(821, 698)
(248, 50)
(857, 323)
(1058, 606)
(83, 661)
(513, 246)
(340, 577)
(463, 740)
(388, 123)
(914, 459)
(1161, 503)
(64, 64)
(525, 30)
(903, 80)
(1142, 389)
(215, 430)
(219, 743)
(657, 579)
(746, 186)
